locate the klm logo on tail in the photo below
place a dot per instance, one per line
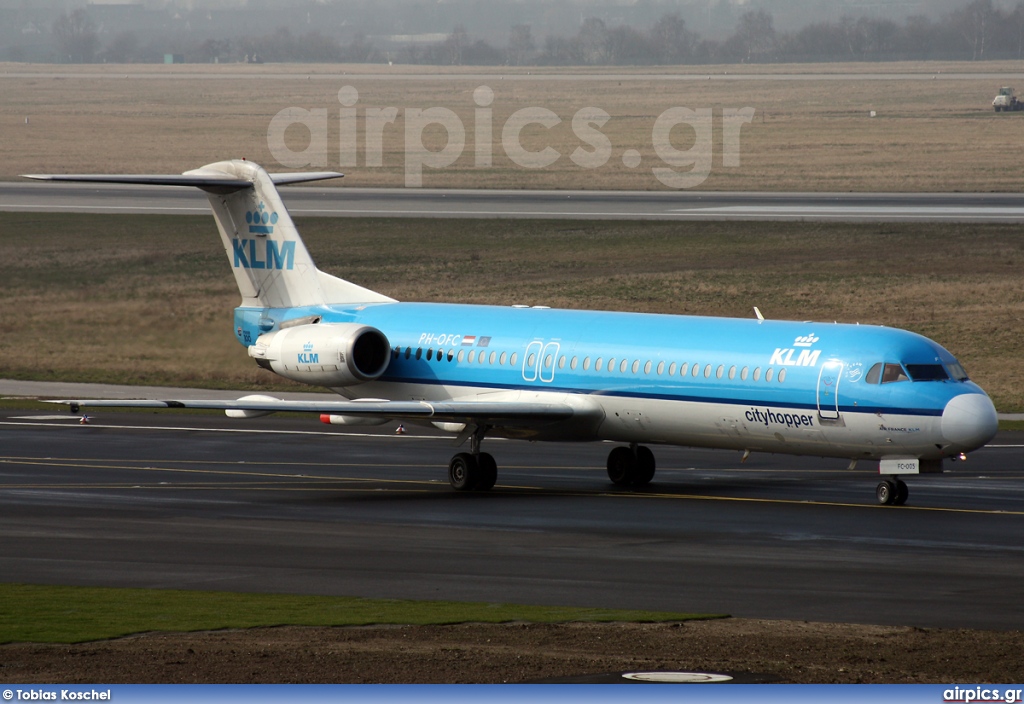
(260, 221)
(268, 254)
(262, 253)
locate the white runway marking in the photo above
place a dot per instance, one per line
(874, 211)
(66, 416)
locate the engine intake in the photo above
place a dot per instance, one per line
(341, 354)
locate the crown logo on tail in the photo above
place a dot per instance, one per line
(260, 221)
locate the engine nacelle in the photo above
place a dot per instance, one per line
(331, 354)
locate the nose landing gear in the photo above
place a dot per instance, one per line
(892, 492)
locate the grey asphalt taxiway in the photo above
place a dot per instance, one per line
(606, 205)
(285, 504)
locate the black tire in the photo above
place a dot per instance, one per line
(645, 466)
(902, 493)
(885, 492)
(488, 469)
(463, 472)
(621, 466)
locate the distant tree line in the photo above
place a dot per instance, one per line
(977, 31)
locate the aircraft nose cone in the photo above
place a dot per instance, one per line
(969, 421)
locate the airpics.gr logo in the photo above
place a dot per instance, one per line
(260, 221)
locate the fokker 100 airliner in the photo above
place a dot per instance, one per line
(858, 392)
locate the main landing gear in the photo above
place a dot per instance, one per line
(892, 492)
(631, 466)
(473, 470)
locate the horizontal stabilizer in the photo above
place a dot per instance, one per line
(494, 413)
(206, 180)
(223, 182)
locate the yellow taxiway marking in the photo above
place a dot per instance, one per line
(336, 484)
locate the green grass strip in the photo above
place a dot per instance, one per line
(45, 614)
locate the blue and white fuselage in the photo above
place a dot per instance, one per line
(853, 391)
(771, 386)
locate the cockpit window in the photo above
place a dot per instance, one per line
(874, 374)
(927, 372)
(893, 372)
(957, 372)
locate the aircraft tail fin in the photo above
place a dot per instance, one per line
(272, 266)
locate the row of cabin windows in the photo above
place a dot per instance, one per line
(684, 369)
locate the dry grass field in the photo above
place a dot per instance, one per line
(811, 129)
(149, 299)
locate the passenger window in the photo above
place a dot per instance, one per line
(720, 371)
(408, 352)
(696, 371)
(732, 372)
(419, 352)
(512, 361)
(768, 374)
(782, 375)
(561, 362)
(494, 356)
(547, 362)
(597, 365)
(757, 373)
(529, 360)
(743, 374)
(430, 354)
(462, 355)
(635, 367)
(611, 364)
(892, 373)
(586, 363)
(440, 356)
(451, 355)
(707, 371)
(874, 374)
(661, 368)
(647, 367)
(502, 358)
(672, 369)
(482, 358)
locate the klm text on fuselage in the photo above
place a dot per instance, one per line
(268, 254)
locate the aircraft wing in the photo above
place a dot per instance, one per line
(522, 413)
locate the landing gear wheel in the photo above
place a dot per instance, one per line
(902, 493)
(885, 492)
(645, 466)
(463, 472)
(621, 466)
(488, 471)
